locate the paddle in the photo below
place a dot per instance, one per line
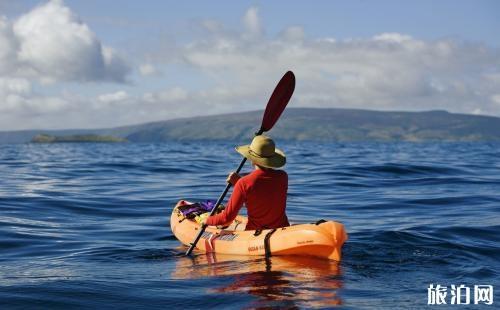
(276, 105)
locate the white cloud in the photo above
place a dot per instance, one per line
(393, 37)
(496, 99)
(50, 43)
(147, 69)
(173, 94)
(15, 86)
(17, 97)
(113, 97)
(294, 33)
(252, 23)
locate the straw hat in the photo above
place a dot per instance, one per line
(263, 152)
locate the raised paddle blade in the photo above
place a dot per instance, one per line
(278, 101)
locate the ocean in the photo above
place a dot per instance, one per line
(87, 226)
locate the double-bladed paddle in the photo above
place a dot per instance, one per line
(276, 105)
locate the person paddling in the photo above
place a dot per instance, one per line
(263, 191)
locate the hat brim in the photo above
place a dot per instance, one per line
(276, 161)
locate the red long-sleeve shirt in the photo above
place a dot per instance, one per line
(264, 194)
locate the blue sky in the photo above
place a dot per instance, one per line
(86, 64)
(468, 19)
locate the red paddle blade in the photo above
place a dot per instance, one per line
(278, 101)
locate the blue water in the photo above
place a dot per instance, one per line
(87, 226)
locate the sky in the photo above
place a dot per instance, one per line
(95, 64)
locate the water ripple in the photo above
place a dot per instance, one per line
(94, 219)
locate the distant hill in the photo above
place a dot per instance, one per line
(311, 124)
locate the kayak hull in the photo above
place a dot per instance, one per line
(323, 239)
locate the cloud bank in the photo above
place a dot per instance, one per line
(229, 70)
(387, 71)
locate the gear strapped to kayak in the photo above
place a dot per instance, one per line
(321, 239)
(191, 210)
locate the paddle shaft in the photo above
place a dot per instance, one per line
(219, 201)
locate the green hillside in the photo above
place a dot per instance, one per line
(311, 124)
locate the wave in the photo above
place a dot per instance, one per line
(96, 218)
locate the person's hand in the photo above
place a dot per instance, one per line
(202, 218)
(232, 178)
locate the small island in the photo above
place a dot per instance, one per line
(43, 138)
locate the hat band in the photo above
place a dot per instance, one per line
(250, 151)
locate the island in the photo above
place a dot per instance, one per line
(44, 138)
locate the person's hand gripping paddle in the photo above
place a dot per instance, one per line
(276, 105)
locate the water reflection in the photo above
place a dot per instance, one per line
(281, 281)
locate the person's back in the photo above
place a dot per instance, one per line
(266, 198)
(263, 191)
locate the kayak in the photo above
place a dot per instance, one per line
(321, 239)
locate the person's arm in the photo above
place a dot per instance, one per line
(233, 207)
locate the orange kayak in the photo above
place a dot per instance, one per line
(322, 239)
